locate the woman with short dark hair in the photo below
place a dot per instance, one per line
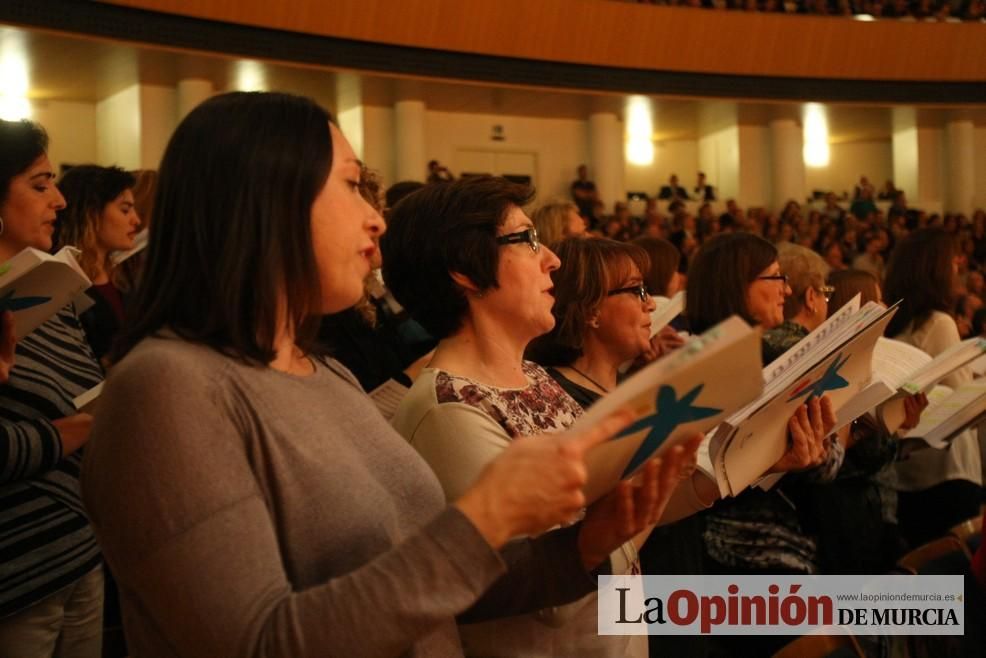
(467, 263)
(51, 581)
(261, 504)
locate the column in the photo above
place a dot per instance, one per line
(606, 157)
(192, 92)
(411, 159)
(787, 162)
(959, 166)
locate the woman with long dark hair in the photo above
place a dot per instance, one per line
(99, 218)
(259, 503)
(51, 581)
(936, 488)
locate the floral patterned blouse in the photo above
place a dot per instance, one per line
(541, 407)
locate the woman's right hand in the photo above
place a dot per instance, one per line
(74, 431)
(807, 431)
(535, 484)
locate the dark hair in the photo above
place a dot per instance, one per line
(21, 143)
(664, 261)
(979, 322)
(399, 190)
(370, 185)
(590, 267)
(849, 283)
(231, 233)
(87, 190)
(719, 275)
(443, 228)
(920, 274)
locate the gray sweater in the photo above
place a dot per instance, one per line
(248, 512)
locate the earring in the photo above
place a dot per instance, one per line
(594, 323)
(1, 225)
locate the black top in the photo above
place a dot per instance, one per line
(102, 320)
(375, 354)
(584, 396)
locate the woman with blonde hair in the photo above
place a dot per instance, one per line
(558, 220)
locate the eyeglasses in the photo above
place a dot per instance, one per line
(826, 292)
(775, 277)
(528, 235)
(640, 290)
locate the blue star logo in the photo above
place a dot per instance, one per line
(669, 413)
(10, 303)
(830, 381)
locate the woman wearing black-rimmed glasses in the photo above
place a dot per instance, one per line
(602, 316)
(464, 259)
(758, 532)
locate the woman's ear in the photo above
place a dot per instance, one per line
(466, 284)
(811, 299)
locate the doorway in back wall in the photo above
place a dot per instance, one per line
(516, 166)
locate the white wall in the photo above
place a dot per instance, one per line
(719, 158)
(118, 129)
(158, 120)
(71, 131)
(850, 160)
(378, 142)
(678, 156)
(560, 144)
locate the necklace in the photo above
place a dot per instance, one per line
(590, 380)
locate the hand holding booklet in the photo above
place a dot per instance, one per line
(833, 360)
(951, 412)
(922, 375)
(688, 391)
(35, 285)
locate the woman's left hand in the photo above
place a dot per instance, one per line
(663, 342)
(633, 506)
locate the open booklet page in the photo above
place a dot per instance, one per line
(666, 312)
(36, 285)
(926, 375)
(688, 391)
(838, 368)
(950, 412)
(86, 402)
(893, 362)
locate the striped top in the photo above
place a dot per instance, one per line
(46, 542)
